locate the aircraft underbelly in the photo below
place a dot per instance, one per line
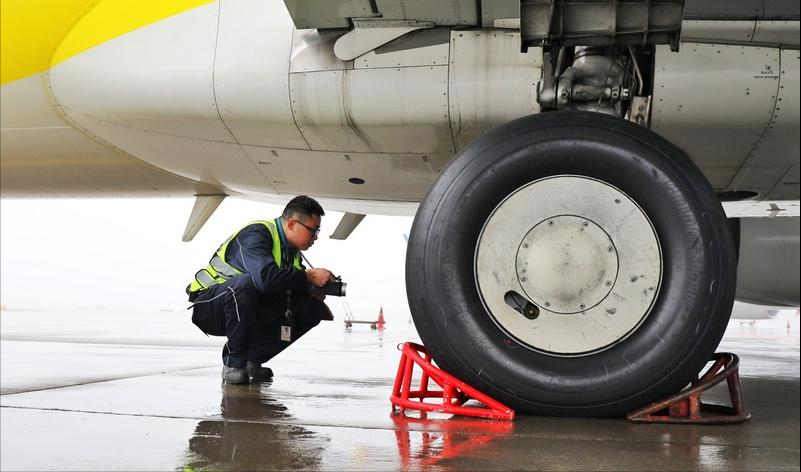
(231, 95)
(738, 120)
(42, 155)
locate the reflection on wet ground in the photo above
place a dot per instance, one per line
(767, 348)
(125, 398)
(426, 442)
(248, 436)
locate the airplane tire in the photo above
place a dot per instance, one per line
(632, 205)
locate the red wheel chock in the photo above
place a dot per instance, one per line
(686, 406)
(454, 392)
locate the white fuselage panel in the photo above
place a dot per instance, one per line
(231, 95)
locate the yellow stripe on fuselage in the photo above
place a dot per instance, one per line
(35, 35)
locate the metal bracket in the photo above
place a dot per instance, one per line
(640, 111)
(367, 35)
(546, 89)
(201, 211)
(346, 225)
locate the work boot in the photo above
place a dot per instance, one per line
(235, 375)
(257, 372)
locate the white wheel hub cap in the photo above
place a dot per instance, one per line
(578, 249)
(566, 264)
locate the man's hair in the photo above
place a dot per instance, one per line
(302, 205)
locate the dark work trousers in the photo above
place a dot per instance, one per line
(252, 320)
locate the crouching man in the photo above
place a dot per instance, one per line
(256, 292)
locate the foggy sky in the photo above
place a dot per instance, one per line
(128, 254)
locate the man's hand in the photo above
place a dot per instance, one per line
(319, 277)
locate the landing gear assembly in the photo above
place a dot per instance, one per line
(571, 263)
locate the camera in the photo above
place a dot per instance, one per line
(336, 288)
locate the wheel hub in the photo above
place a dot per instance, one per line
(566, 264)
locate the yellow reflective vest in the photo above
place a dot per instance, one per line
(219, 270)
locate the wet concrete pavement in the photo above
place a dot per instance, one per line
(137, 391)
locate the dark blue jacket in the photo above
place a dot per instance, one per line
(251, 251)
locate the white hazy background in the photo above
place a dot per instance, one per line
(127, 254)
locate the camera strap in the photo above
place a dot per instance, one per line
(286, 322)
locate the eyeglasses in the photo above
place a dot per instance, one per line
(313, 231)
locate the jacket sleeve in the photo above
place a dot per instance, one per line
(255, 244)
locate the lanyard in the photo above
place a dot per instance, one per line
(288, 312)
(286, 323)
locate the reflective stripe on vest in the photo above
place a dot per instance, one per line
(219, 270)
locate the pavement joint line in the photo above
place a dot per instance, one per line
(107, 342)
(122, 342)
(378, 428)
(69, 410)
(209, 418)
(108, 380)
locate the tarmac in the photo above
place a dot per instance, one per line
(106, 390)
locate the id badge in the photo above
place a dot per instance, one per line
(286, 322)
(286, 332)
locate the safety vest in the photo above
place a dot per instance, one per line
(218, 270)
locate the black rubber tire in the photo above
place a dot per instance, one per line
(665, 352)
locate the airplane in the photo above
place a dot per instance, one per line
(568, 162)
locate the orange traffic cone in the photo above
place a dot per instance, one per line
(380, 322)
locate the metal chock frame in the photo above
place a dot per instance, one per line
(454, 392)
(686, 406)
